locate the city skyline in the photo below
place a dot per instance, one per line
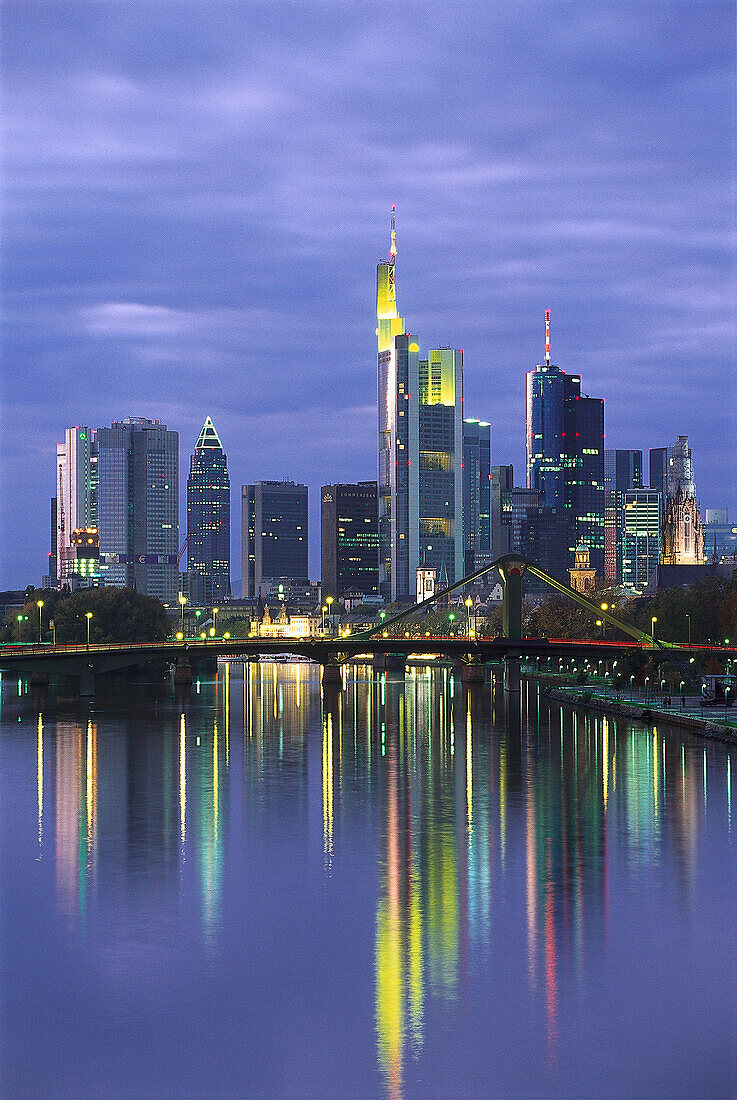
(136, 229)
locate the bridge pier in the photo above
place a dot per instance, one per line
(87, 681)
(183, 671)
(512, 674)
(472, 673)
(332, 674)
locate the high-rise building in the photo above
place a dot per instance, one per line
(51, 577)
(420, 483)
(476, 494)
(622, 471)
(138, 465)
(720, 536)
(501, 483)
(640, 536)
(273, 535)
(208, 519)
(349, 539)
(76, 496)
(565, 453)
(682, 540)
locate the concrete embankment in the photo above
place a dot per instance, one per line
(702, 727)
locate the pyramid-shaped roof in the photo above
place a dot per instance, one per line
(209, 438)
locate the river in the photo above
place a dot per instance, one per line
(407, 888)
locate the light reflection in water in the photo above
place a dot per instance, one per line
(534, 804)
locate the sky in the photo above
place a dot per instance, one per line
(195, 197)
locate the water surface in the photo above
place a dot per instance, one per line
(406, 888)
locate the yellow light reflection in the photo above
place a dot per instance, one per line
(327, 790)
(40, 777)
(605, 761)
(469, 769)
(91, 790)
(182, 782)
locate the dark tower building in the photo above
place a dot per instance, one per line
(565, 453)
(349, 539)
(476, 494)
(273, 534)
(208, 519)
(622, 472)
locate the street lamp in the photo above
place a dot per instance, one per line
(689, 630)
(212, 631)
(39, 605)
(600, 623)
(88, 617)
(469, 605)
(52, 628)
(329, 602)
(182, 601)
(452, 618)
(20, 620)
(214, 621)
(653, 620)
(323, 609)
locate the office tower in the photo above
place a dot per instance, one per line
(76, 494)
(273, 535)
(420, 450)
(622, 471)
(640, 536)
(51, 577)
(565, 453)
(682, 539)
(720, 536)
(349, 539)
(501, 483)
(208, 520)
(476, 494)
(138, 464)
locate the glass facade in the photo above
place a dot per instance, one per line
(277, 542)
(476, 494)
(138, 467)
(622, 471)
(565, 456)
(640, 536)
(208, 519)
(349, 539)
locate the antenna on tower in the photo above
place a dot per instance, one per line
(547, 337)
(393, 249)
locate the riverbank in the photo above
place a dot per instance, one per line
(644, 712)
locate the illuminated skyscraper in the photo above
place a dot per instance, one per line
(565, 453)
(274, 535)
(420, 449)
(349, 540)
(640, 536)
(622, 471)
(208, 519)
(77, 496)
(138, 463)
(476, 494)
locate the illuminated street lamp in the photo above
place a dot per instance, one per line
(88, 617)
(469, 605)
(214, 621)
(329, 602)
(179, 636)
(39, 605)
(203, 635)
(182, 601)
(452, 619)
(600, 624)
(689, 630)
(20, 618)
(653, 621)
(323, 609)
(52, 628)
(212, 631)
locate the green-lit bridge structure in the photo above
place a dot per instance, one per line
(388, 644)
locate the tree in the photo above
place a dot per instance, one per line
(118, 615)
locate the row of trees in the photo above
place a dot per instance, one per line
(118, 615)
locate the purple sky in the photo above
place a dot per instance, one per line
(195, 196)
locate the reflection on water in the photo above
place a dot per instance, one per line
(486, 836)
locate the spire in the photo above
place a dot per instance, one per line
(209, 438)
(393, 248)
(547, 337)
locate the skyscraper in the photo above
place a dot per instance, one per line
(349, 539)
(273, 535)
(640, 536)
(476, 494)
(565, 453)
(138, 464)
(682, 541)
(501, 483)
(622, 471)
(420, 449)
(76, 496)
(208, 519)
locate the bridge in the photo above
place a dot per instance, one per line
(389, 643)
